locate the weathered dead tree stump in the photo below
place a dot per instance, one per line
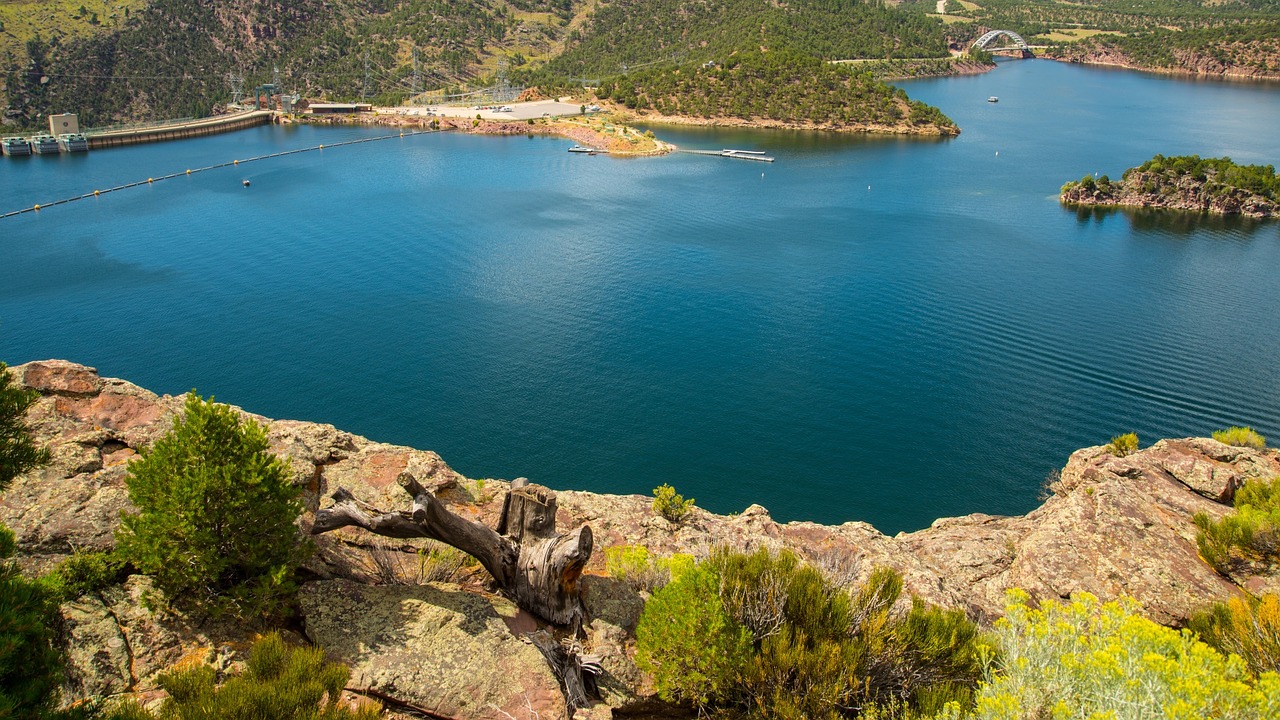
(531, 563)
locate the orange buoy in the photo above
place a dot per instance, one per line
(95, 193)
(235, 162)
(149, 181)
(188, 171)
(37, 207)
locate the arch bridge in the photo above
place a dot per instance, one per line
(987, 39)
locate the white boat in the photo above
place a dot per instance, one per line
(15, 146)
(993, 98)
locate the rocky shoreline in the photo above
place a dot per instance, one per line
(1151, 190)
(1110, 525)
(654, 118)
(582, 132)
(1190, 64)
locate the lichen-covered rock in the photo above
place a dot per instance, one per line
(1114, 526)
(115, 644)
(436, 646)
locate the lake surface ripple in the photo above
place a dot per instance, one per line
(868, 329)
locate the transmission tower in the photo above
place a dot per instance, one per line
(501, 88)
(237, 87)
(364, 89)
(417, 74)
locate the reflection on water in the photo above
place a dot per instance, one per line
(887, 329)
(1176, 222)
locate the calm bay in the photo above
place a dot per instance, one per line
(875, 329)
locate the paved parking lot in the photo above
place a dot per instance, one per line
(519, 111)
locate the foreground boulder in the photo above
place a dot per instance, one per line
(437, 647)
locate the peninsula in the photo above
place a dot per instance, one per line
(774, 90)
(1189, 182)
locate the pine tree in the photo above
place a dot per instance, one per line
(216, 515)
(18, 452)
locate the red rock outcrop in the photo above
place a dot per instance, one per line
(1111, 526)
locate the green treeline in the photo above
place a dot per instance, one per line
(1249, 45)
(1208, 178)
(625, 34)
(781, 86)
(172, 59)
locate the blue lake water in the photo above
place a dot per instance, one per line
(868, 329)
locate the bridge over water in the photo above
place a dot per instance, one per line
(988, 39)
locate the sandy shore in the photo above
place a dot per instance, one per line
(591, 131)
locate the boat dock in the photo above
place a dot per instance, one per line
(756, 155)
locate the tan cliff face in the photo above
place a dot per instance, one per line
(1110, 526)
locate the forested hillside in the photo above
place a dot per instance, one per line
(624, 34)
(779, 86)
(173, 58)
(122, 60)
(1233, 37)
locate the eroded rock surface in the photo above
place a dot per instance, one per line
(1111, 526)
(114, 644)
(436, 646)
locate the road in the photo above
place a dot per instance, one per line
(519, 111)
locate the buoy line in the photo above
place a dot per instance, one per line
(233, 163)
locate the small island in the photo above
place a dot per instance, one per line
(1187, 182)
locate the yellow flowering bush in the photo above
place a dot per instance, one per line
(1246, 626)
(1086, 660)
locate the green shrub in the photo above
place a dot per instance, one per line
(1246, 626)
(216, 513)
(83, 572)
(687, 640)
(18, 452)
(1122, 445)
(1240, 437)
(670, 504)
(1250, 534)
(29, 665)
(279, 683)
(765, 634)
(1085, 660)
(634, 565)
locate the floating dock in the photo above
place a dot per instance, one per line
(756, 155)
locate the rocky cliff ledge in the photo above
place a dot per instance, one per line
(1111, 526)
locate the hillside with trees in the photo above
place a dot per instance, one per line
(127, 60)
(173, 58)
(777, 88)
(626, 34)
(1236, 38)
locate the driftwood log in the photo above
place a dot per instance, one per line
(531, 563)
